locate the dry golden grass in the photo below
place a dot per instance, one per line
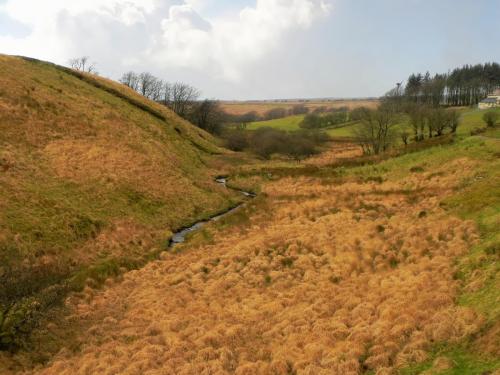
(60, 134)
(92, 177)
(322, 279)
(335, 153)
(239, 108)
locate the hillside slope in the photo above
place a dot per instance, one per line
(93, 178)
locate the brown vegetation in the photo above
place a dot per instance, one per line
(81, 158)
(241, 108)
(318, 277)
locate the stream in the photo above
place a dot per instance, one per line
(180, 236)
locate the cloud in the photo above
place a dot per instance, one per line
(46, 19)
(173, 35)
(227, 46)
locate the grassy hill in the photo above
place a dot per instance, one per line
(93, 180)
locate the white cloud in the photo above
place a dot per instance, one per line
(36, 13)
(231, 44)
(159, 35)
(47, 39)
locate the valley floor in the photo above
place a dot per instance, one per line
(360, 270)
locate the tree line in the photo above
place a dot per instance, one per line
(180, 97)
(281, 112)
(418, 110)
(464, 86)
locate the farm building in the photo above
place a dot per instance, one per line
(491, 101)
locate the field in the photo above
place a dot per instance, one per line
(290, 123)
(471, 119)
(385, 268)
(239, 108)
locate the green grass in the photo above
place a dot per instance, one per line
(345, 131)
(471, 119)
(463, 362)
(290, 123)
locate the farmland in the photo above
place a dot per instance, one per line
(261, 107)
(290, 123)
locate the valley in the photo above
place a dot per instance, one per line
(133, 242)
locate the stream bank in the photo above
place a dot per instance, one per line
(180, 236)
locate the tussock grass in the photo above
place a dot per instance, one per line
(324, 274)
(93, 179)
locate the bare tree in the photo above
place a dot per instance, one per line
(453, 120)
(207, 115)
(156, 91)
(437, 121)
(376, 131)
(179, 97)
(182, 96)
(146, 84)
(83, 64)
(131, 80)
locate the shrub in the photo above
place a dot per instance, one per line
(491, 118)
(26, 293)
(320, 109)
(315, 121)
(357, 114)
(299, 109)
(267, 141)
(275, 113)
(236, 140)
(312, 121)
(299, 148)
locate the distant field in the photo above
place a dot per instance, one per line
(343, 131)
(289, 123)
(239, 108)
(471, 119)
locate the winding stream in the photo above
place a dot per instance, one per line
(180, 236)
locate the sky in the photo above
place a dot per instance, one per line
(259, 49)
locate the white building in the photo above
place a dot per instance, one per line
(491, 101)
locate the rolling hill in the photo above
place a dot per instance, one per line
(93, 180)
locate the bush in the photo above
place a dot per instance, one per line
(320, 109)
(236, 140)
(268, 141)
(491, 118)
(27, 291)
(357, 113)
(275, 113)
(299, 109)
(299, 148)
(312, 121)
(315, 121)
